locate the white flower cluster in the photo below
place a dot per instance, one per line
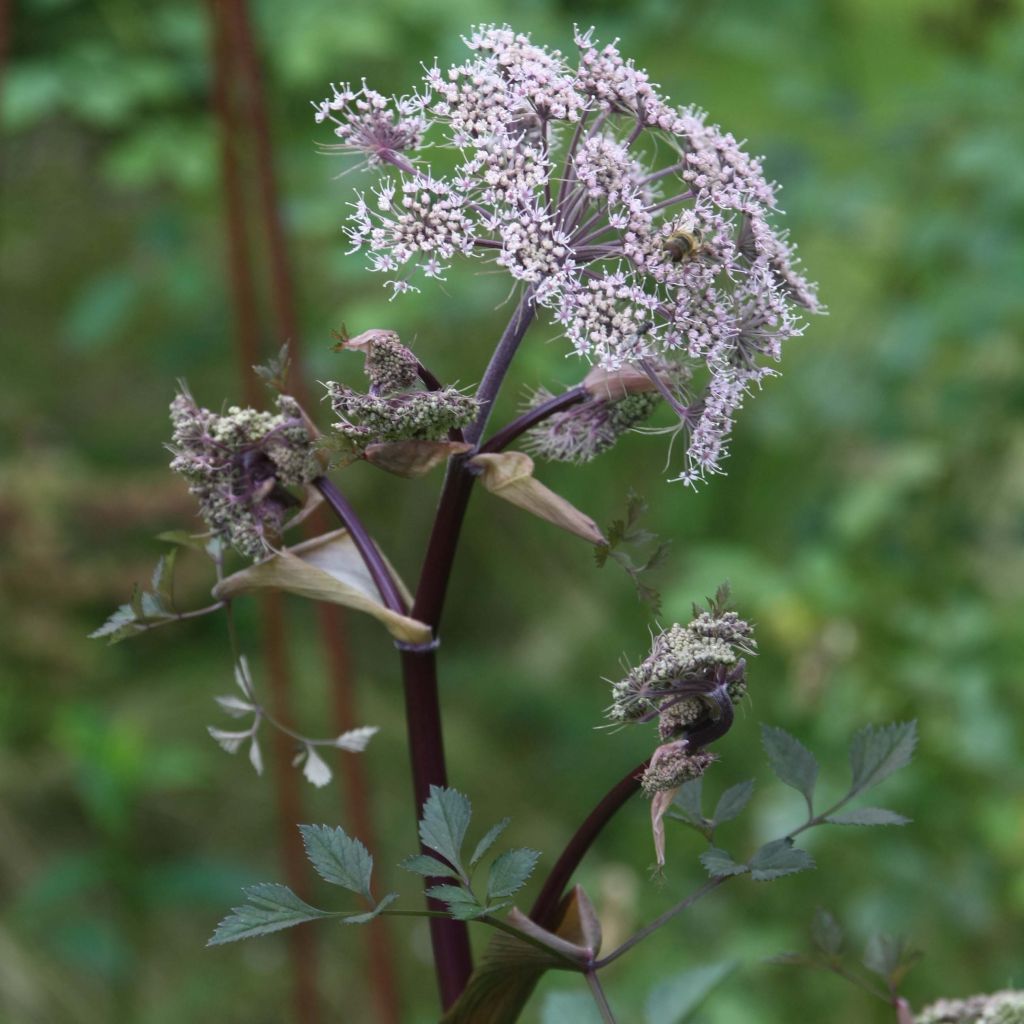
(999, 1008)
(647, 231)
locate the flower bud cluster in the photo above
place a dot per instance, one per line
(390, 366)
(686, 663)
(999, 1008)
(584, 430)
(672, 765)
(588, 428)
(238, 465)
(413, 416)
(392, 410)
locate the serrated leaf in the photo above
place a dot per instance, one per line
(510, 871)
(121, 624)
(731, 803)
(271, 907)
(453, 895)
(315, 768)
(338, 858)
(256, 756)
(243, 677)
(163, 578)
(877, 752)
(867, 816)
(826, 933)
(356, 740)
(673, 1001)
(234, 707)
(488, 841)
(777, 858)
(385, 902)
(229, 741)
(429, 867)
(890, 957)
(688, 801)
(470, 911)
(720, 864)
(791, 761)
(446, 815)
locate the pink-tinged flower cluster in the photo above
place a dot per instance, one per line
(648, 232)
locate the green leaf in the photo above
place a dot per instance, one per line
(569, 1008)
(674, 1000)
(867, 816)
(877, 752)
(184, 539)
(385, 902)
(890, 957)
(468, 911)
(488, 841)
(826, 933)
(791, 761)
(790, 959)
(452, 894)
(510, 871)
(446, 815)
(429, 867)
(460, 900)
(163, 579)
(688, 802)
(121, 625)
(271, 907)
(720, 864)
(338, 858)
(732, 801)
(777, 858)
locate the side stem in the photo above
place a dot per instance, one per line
(372, 557)
(550, 895)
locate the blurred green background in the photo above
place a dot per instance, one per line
(870, 522)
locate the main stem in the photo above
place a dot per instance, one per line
(449, 938)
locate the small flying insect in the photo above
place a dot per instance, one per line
(682, 245)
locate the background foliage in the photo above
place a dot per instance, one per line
(870, 522)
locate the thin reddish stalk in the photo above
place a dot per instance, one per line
(558, 879)
(301, 941)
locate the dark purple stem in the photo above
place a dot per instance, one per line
(372, 557)
(503, 438)
(561, 874)
(550, 896)
(499, 364)
(449, 938)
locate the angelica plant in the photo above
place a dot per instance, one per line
(650, 240)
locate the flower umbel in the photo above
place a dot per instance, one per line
(645, 230)
(999, 1008)
(239, 464)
